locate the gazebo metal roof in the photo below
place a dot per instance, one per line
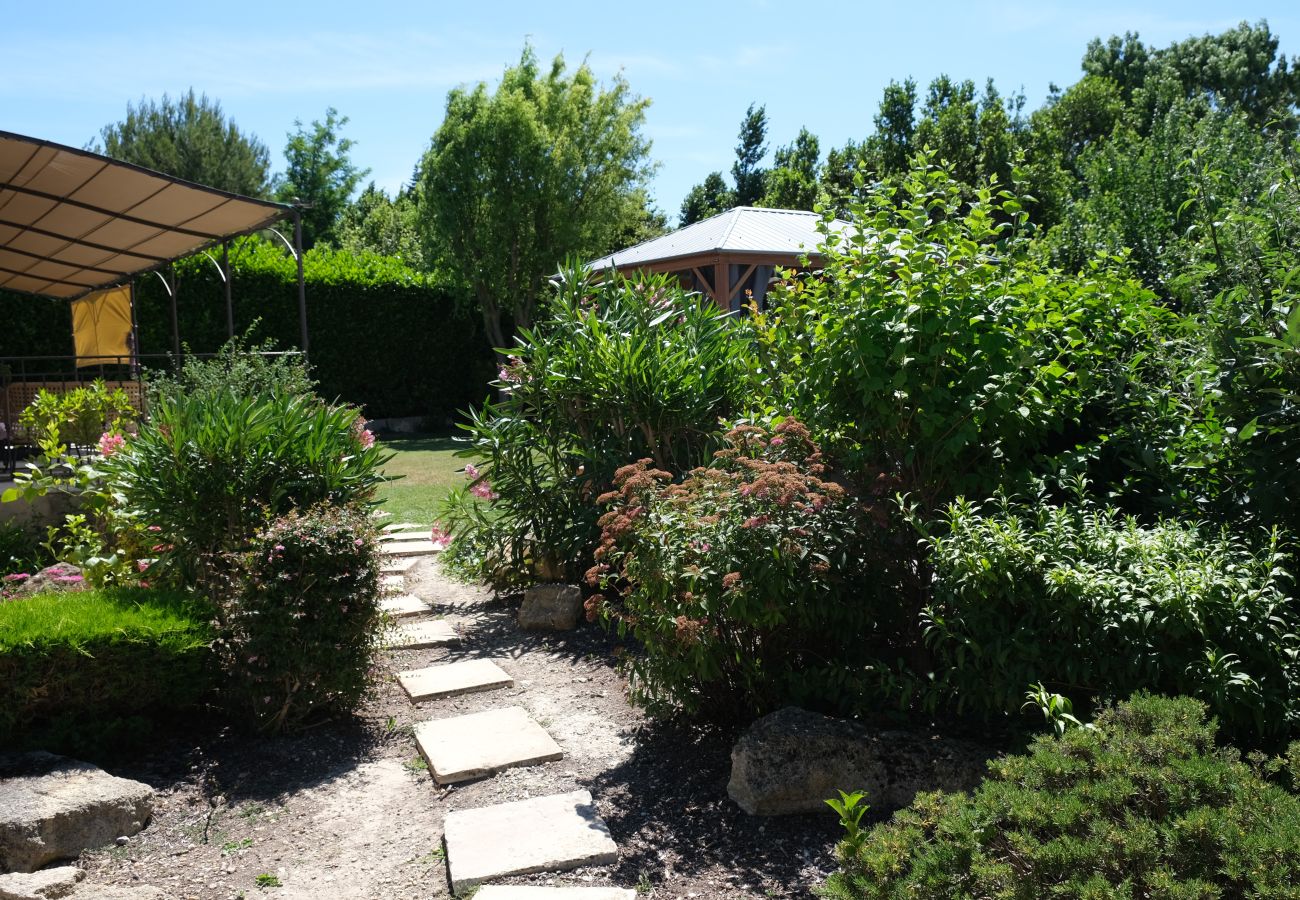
(745, 231)
(72, 221)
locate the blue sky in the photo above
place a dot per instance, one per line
(72, 67)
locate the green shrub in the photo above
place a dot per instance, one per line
(1144, 805)
(79, 416)
(1096, 606)
(617, 370)
(20, 550)
(740, 583)
(209, 469)
(77, 666)
(241, 368)
(297, 629)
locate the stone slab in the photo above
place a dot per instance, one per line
(418, 635)
(53, 807)
(392, 581)
(47, 884)
(466, 747)
(406, 526)
(390, 537)
(398, 566)
(538, 892)
(544, 834)
(408, 548)
(453, 679)
(404, 606)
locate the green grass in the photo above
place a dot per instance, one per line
(428, 473)
(77, 616)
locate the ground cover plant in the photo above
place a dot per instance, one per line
(81, 668)
(1144, 804)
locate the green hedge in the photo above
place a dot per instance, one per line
(383, 336)
(82, 670)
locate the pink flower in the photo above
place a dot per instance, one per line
(154, 528)
(69, 579)
(484, 490)
(110, 443)
(441, 537)
(141, 565)
(363, 434)
(777, 441)
(756, 521)
(358, 542)
(17, 576)
(471, 471)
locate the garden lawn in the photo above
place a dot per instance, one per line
(428, 471)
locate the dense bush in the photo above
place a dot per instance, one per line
(79, 669)
(77, 417)
(616, 371)
(297, 626)
(210, 468)
(1144, 805)
(1096, 606)
(240, 368)
(742, 585)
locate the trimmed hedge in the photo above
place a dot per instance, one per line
(79, 670)
(384, 337)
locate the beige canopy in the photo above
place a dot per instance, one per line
(72, 221)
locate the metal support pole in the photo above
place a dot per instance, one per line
(230, 308)
(302, 289)
(176, 322)
(135, 336)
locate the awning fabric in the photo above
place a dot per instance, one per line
(101, 327)
(72, 221)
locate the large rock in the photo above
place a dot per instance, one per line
(551, 607)
(52, 808)
(47, 884)
(793, 760)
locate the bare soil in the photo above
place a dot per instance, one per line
(347, 810)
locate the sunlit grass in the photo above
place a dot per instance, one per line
(428, 473)
(79, 616)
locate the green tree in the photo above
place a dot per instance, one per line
(320, 175)
(189, 138)
(708, 198)
(792, 181)
(549, 164)
(383, 224)
(747, 171)
(895, 122)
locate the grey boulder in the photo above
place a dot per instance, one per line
(551, 607)
(793, 760)
(52, 808)
(47, 884)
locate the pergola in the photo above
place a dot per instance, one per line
(74, 222)
(729, 254)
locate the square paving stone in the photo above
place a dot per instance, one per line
(408, 548)
(538, 892)
(545, 834)
(483, 743)
(397, 566)
(453, 679)
(406, 526)
(418, 635)
(392, 581)
(401, 536)
(403, 606)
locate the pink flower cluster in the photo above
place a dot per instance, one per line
(363, 434)
(482, 488)
(110, 443)
(513, 372)
(440, 536)
(17, 576)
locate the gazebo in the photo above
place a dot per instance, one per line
(731, 254)
(80, 227)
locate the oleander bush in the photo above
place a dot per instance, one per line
(617, 370)
(742, 585)
(1096, 605)
(82, 671)
(1143, 804)
(297, 627)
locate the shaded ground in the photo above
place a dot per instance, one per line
(349, 812)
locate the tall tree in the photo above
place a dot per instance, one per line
(792, 181)
(708, 198)
(189, 138)
(383, 224)
(747, 171)
(320, 175)
(549, 164)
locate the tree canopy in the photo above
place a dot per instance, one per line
(319, 174)
(549, 164)
(190, 138)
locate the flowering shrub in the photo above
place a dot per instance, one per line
(296, 630)
(738, 582)
(617, 371)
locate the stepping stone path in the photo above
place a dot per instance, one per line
(484, 743)
(453, 679)
(543, 834)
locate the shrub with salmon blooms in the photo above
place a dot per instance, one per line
(737, 582)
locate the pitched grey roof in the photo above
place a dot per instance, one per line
(745, 229)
